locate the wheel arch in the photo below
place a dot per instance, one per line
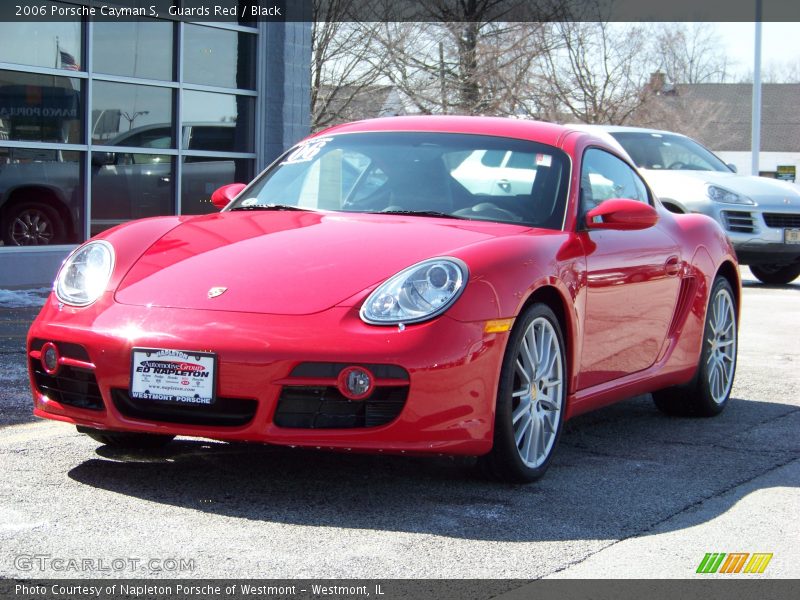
(729, 271)
(40, 193)
(552, 297)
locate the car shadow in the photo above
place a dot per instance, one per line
(618, 472)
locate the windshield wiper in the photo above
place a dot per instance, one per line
(421, 213)
(269, 207)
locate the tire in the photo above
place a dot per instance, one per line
(529, 415)
(32, 224)
(127, 440)
(707, 394)
(776, 274)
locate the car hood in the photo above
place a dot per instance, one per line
(764, 191)
(290, 263)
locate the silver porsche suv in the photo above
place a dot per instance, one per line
(761, 216)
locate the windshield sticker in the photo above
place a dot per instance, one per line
(543, 160)
(249, 202)
(306, 151)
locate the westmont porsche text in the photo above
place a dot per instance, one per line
(444, 285)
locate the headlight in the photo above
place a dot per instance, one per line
(417, 293)
(720, 194)
(84, 275)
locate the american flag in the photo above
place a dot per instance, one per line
(68, 61)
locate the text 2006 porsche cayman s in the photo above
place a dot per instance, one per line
(447, 285)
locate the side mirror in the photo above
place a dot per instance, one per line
(223, 196)
(732, 167)
(102, 159)
(621, 214)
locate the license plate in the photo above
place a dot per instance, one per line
(180, 376)
(791, 236)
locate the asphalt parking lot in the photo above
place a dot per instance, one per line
(631, 493)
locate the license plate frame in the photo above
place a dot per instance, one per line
(161, 374)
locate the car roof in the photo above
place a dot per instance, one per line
(539, 131)
(620, 129)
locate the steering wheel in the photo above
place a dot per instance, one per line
(676, 165)
(487, 210)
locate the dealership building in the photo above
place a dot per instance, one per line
(104, 121)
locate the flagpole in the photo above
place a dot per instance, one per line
(55, 66)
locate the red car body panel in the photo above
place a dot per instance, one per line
(632, 305)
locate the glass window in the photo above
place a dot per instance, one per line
(122, 111)
(203, 175)
(140, 48)
(56, 45)
(410, 173)
(39, 108)
(604, 176)
(129, 186)
(46, 205)
(666, 151)
(219, 57)
(217, 122)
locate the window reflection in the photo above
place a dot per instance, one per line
(219, 57)
(203, 175)
(218, 122)
(140, 48)
(122, 111)
(42, 44)
(129, 186)
(39, 108)
(41, 197)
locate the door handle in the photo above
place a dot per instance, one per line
(672, 266)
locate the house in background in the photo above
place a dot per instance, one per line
(719, 116)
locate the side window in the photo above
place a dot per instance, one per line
(605, 176)
(218, 138)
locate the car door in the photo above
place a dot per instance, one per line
(632, 278)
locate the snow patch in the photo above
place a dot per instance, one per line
(23, 298)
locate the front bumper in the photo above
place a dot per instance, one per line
(757, 233)
(452, 372)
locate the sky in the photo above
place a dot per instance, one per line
(780, 42)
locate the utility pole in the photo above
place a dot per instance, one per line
(756, 118)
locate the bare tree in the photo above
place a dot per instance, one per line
(691, 53)
(599, 72)
(464, 59)
(345, 61)
(787, 71)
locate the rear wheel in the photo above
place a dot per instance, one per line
(31, 224)
(128, 440)
(776, 274)
(708, 392)
(530, 398)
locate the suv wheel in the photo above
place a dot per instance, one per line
(776, 274)
(31, 224)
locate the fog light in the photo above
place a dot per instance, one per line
(356, 383)
(50, 358)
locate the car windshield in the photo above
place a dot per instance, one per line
(417, 173)
(668, 152)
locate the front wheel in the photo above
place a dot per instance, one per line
(776, 274)
(127, 440)
(708, 392)
(531, 397)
